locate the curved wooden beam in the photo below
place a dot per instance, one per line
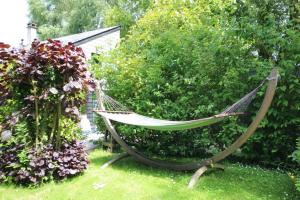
(196, 176)
(201, 171)
(272, 83)
(115, 159)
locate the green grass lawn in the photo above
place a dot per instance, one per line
(130, 180)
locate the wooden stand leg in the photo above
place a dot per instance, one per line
(112, 144)
(109, 143)
(115, 159)
(196, 176)
(200, 171)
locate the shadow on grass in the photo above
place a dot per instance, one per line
(129, 165)
(234, 179)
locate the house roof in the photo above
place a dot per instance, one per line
(81, 38)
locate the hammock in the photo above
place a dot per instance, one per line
(117, 112)
(106, 101)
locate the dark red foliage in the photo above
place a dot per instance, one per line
(4, 46)
(71, 160)
(43, 164)
(8, 157)
(6, 57)
(52, 66)
(46, 84)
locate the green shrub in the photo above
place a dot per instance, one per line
(296, 157)
(190, 60)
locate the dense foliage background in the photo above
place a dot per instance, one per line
(296, 156)
(186, 60)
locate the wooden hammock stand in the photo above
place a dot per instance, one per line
(209, 163)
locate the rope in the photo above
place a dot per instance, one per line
(244, 102)
(109, 103)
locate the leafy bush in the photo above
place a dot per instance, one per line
(46, 85)
(188, 60)
(42, 90)
(296, 157)
(72, 159)
(35, 166)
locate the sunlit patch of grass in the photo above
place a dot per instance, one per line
(131, 180)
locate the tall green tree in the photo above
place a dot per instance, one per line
(125, 13)
(61, 17)
(273, 28)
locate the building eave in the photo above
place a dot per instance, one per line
(95, 36)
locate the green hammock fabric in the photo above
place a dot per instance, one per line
(158, 124)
